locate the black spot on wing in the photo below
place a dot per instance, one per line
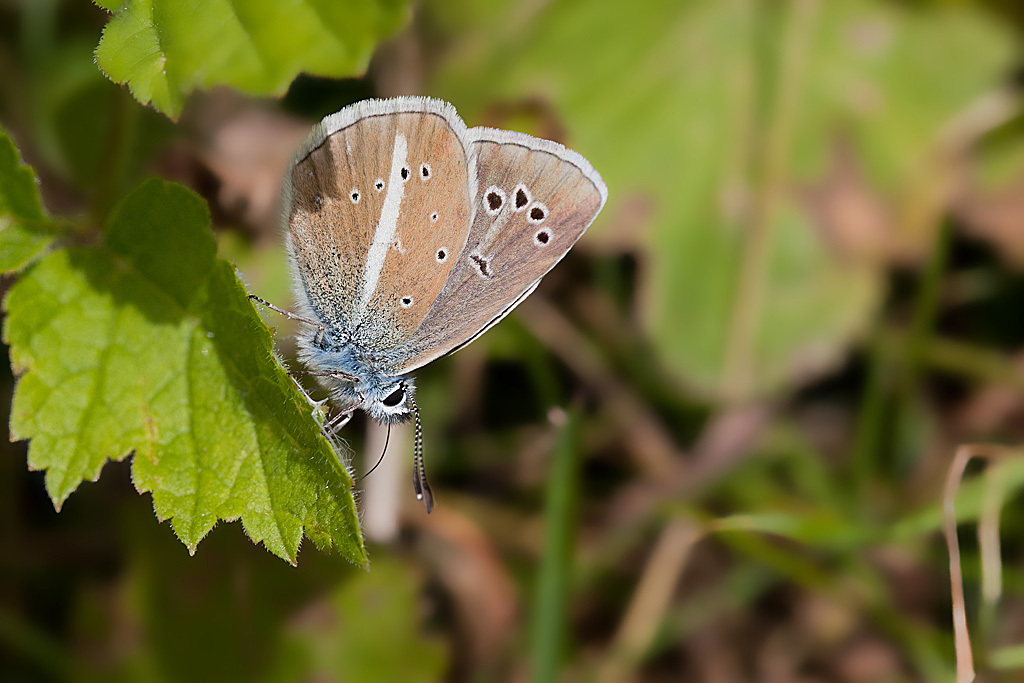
(482, 265)
(521, 198)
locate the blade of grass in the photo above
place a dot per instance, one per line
(961, 637)
(988, 541)
(652, 599)
(989, 551)
(552, 592)
(869, 435)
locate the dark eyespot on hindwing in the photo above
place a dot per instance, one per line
(494, 199)
(537, 213)
(542, 237)
(482, 266)
(522, 197)
(405, 173)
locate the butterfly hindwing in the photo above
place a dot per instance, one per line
(532, 200)
(360, 198)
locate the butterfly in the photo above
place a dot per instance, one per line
(410, 235)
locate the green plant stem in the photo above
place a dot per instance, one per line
(912, 357)
(552, 593)
(925, 308)
(871, 417)
(120, 134)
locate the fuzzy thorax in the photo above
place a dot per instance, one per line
(353, 383)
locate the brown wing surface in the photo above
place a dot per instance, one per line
(378, 169)
(533, 199)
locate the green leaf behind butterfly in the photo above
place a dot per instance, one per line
(147, 344)
(164, 49)
(710, 120)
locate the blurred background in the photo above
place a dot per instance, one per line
(710, 447)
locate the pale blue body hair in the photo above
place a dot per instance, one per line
(333, 352)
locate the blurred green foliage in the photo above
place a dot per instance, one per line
(164, 49)
(723, 112)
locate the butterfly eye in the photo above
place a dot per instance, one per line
(394, 398)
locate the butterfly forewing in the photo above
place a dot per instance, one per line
(366, 185)
(533, 199)
(432, 225)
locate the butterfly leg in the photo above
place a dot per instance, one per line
(287, 314)
(338, 422)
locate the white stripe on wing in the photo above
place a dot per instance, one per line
(384, 237)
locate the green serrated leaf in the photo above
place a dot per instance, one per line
(23, 233)
(165, 49)
(110, 5)
(148, 344)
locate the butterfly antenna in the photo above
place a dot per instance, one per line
(381, 458)
(419, 475)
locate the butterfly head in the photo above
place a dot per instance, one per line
(354, 382)
(387, 401)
